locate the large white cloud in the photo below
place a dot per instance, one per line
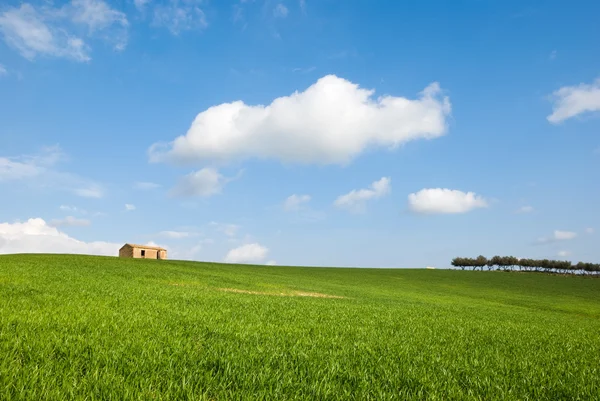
(249, 253)
(570, 101)
(36, 236)
(444, 201)
(355, 199)
(331, 122)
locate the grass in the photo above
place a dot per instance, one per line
(99, 328)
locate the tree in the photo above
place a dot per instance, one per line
(480, 261)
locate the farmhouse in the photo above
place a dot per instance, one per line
(142, 252)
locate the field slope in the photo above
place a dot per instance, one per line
(100, 328)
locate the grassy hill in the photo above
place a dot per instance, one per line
(75, 327)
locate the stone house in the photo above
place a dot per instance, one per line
(142, 252)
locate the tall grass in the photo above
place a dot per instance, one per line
(98, 328)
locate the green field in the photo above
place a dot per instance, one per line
(100, 328)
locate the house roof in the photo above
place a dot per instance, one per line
(158, 248)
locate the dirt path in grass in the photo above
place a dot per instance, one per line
(282, 294)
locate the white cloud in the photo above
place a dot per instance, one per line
(589, 230)
(331, 122)
(39, 169)
(68, 208)
(35, 236)
(557, 235)
(304, 70)
(3, 70)
(271, 263)
(145, 185)
(140, 4)
(525, 209)
(249, 253)
(570, 101)
(563, 235)
(204, 183)
(563, 253)
(51, 31)
(444, 201)
(129, 207)
(90, 191)
(176, 234)
(32, 33)
(294, 202)
(178, 16)
(280, 11)
(355, 199)
(229, 230)
(70, 221)
(98, 16)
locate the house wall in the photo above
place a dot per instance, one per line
(150, 253)
(126, 252)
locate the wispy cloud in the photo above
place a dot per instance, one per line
(304, 70)
(129, 207)
(294, 202)
(55, 32)
(280, 11)
(525, 209)
(145, 185)
(571, 101)
(178, 16)
(556, 236)
(356, 199)
(70, 221)
(40, 171)
(3, 70)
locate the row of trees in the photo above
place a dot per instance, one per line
(510, 263)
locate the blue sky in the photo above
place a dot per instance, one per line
(325, 133)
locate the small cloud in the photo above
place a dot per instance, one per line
(69, 221)
(176, 234)
(571, 101)
(3, 70)
(140, 4)
(203, 183)
(563, 253)
(556, 236)
(271, 263)
(355, 200)
(129, 207)
(67, 208)
(525, 209)
(295, 202)
(589, 230)
(229, 230)
(145, 185)
(304, 70)
(280, 11)
(553, 55)
(249, 253)
(179, 16)
(92, 191)
(444, 201)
